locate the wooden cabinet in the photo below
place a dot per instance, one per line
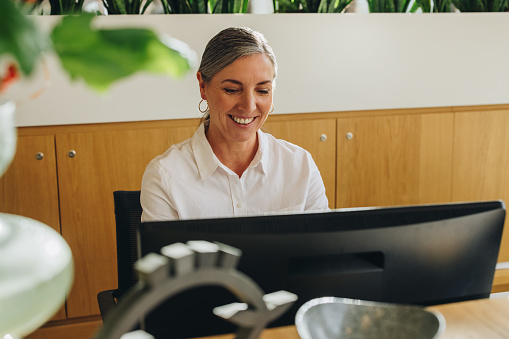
(79, 200)
(401, 159)
(366, 159)
(394, 159)
(93, 164)
(29, 187)
(318, 137)
(481, 160)
(104, 162)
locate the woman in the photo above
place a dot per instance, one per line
(229, 167)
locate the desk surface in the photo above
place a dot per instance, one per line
(486, 318)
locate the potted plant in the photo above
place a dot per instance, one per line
(311, 6)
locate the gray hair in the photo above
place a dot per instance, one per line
(229, 45)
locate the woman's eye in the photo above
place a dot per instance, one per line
(230, 90)
(263, 91)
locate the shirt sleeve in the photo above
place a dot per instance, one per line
(155, 196)
(316, 199)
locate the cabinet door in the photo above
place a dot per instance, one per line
(394, 160)
(481, 160)
(102, 162)
(318, 137)
(29, 187)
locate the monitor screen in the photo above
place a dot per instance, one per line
(425, 255)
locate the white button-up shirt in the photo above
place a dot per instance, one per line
(188, 182)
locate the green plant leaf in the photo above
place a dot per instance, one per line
(287, 6)
(117, 7)
(147, 3)
(415, 7)
(19, 37)
(495, 5)
(442, 6)
(469, 5)
(333, 6)
(66, 7)
(218, 7)
(199, 6)
(101, 57)
(388, 6)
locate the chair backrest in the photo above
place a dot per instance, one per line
(127, 219)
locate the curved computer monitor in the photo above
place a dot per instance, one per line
(425, 255)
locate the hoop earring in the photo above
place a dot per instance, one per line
(272, 110)
(204, 110)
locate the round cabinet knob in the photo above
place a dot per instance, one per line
(72, 154)
(39, 156)
(349, 136)
(323, 137)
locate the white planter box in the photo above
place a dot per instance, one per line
(327, 62)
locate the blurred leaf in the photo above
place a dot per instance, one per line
(101, 57)
(19, 37)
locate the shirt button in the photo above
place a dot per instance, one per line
(239, 205)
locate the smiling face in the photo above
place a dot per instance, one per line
(239, 98)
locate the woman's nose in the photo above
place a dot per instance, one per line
(247, 102)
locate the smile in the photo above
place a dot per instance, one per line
(241, 121)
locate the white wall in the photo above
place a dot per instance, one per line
(327, 62)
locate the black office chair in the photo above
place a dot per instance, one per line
(127, 218)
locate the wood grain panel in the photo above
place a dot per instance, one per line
(394, 160)
(484, 318)
(105, 161)
(481, 160)
(78, 330)
(306, 134)
(29, 187)
(283, 332)
(500, 281)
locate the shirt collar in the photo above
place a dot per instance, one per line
(261, 157)
(207, 161)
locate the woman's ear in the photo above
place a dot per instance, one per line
(202, 85)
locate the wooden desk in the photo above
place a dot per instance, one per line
(485, 318)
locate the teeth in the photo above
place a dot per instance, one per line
(242, 121)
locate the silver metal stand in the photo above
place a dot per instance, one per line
(197, 263)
